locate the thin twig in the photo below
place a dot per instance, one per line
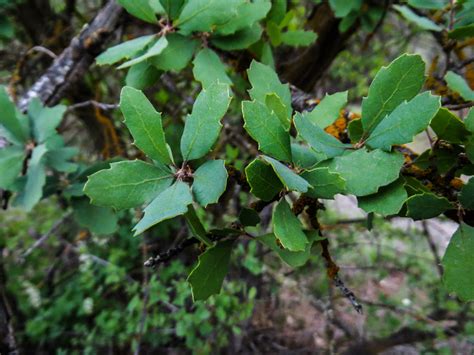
(348, 294)
(146, 297)
(170, 253)
(456, 107)
(44, 237)
(101, 105)
(465, 63)
(430, 139)
(41, 49)
(433, 248)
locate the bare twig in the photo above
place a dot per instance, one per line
(42, 49)
(348, 294)
(459, 106)
(433, 248)
(465, 63)
(100, 105)
(170, 253)
(45, 236)
(71, 65)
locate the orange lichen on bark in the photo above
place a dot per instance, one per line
(112, 145)
(457, 183)
(340, 124)
(469, 73)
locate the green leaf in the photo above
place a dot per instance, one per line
(303, 156)
(44, 119)
(263, 181)
(205, 15)
(348, 21)
(371, 17)
(207, 277)
(299, 38)
(441, 158)
(144, 124)
(355, 130)
(249, 217)
(458, 84)
(172, 7)
(365, 172)
(7, 30)
(274, 33)
(462, 32)
(170, 203)
(266, 56)
(99, 220)
(342, 8)
(248, 13)
(264, 126)
(124, 50)
(287, 228)
(274, 103)
(317, 138)
(406, 121)
(428, 4)
(414, 186)
(278, 11)
(157, 48)
(426, 205)
(210, 181)
(58, 159)
(458, 263)
(139, 8)
(325, 183)
(400, 81)
(209, 69)
(177, 54)
(421, 21)
(265, 81)
(292, 258)
(466, 197)
(196, 226)
(388, 201)
(127, 184)
(157, 7)
(203, 125)
(449, 127)
(290, 180)
(11, 163)
(239, 40)
(469, 121)
(142, 75)
(10, 120)
(327, 111)
(35, 180)
(469, 145)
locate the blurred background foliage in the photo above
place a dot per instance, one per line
(83, 293)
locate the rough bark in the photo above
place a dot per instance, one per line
(306, 66)
(74, 61)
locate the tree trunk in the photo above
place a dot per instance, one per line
(306, 66)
